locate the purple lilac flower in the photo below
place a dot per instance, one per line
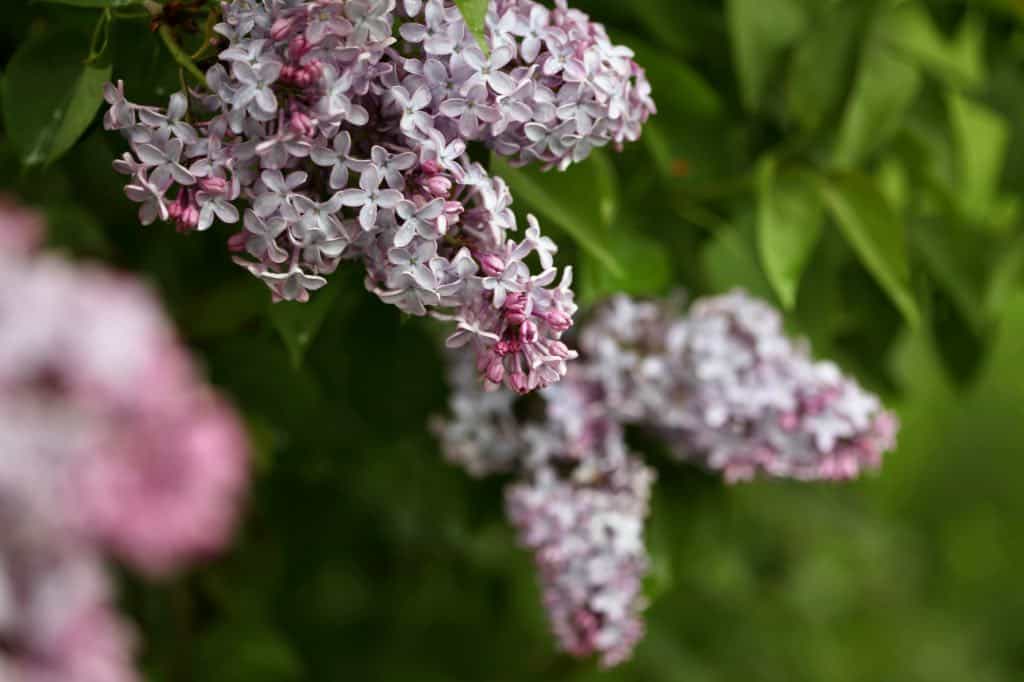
(336, 144)
(109, 444)
(722, 385)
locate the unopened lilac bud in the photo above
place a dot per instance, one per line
(520, 383)
(558, 320)
(528, 332)
(236, 242)
(439, 186)
(213, 185)
(431, 167)
(496, 371)
(281, 28)
(491, 264)
(560, 350)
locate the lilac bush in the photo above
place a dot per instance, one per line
(330, 139)
(109, 444)
(722, 386)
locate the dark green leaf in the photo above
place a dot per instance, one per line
(875, 233)
(51, 94)
(730, 261)
(761, 32)
(299, 323)
(789, 223)
(645, 263)
(582, 201)
(475, 14)
(94, 3)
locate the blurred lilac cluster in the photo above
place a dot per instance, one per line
(109, 444)
(721, 386)
(329, 139)
(726, 388)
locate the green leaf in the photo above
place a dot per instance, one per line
(959, 61)
(876, 235)
(761, 32)
(51, 94)
(885, 88)
(730, 261)
(982, 137)
(645, 263)
(475, 13)
(299, 323)
(583, 201)
(94, 3)
(789, 223)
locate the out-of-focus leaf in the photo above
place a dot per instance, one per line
(475, 14)
(823, 65)
(1006, 280)
(76, 229)
(51, 94)
(789, 222)
(761, 31)
(957, 259)
(583, 201)
(94, 3)
(875, 233)
(258, 653)
(960, 61)
(885, 87)
(981, 138)
(645, 264)
(298, 323)
(730, 261)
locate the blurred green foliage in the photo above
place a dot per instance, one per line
(855, 161)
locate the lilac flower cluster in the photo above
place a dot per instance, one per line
(727, 388)
(723, 386)
(109, 443)
(579, 503)
(330, 140)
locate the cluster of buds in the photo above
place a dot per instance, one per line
(109, 445)
(722, 386)
(329, 139)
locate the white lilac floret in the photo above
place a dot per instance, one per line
(329, 139)
(722, 386)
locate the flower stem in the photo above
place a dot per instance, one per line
(180, 56)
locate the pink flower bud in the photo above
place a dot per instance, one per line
(491, 264)
(431, 167)
(495, 371)
(281, 28)
(438, 185)
(213, 185)
(236, 242)
(558, 320)
(528, 332)
(519, 382)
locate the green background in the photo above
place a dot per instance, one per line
(855, 161)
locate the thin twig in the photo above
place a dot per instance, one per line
(180, 56)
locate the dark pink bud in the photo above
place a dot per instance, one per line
(431, 167)
(528, 332)
(559, 350)
(281, 28)
(519, 382)
(438, 185)
(558, 320)
(492, 264)
(213, 185)
(495, 371)
(236, 242)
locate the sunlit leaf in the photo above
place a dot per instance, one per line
(475, 14)
(875, 233)
(982, 137)
(958, 60)
(789, 222)
(885, 87)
